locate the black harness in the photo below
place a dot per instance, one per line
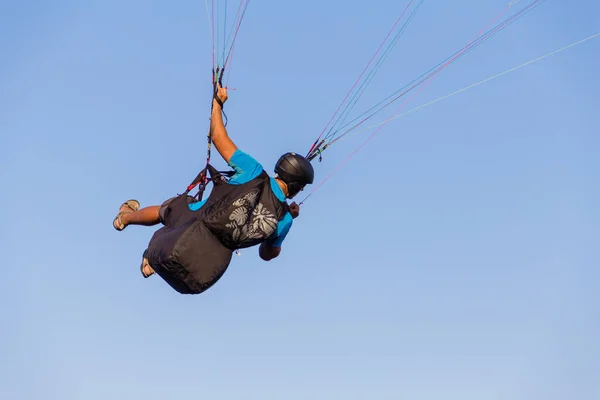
(240, 216)
(194, 248)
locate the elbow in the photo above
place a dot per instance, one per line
(267, 253)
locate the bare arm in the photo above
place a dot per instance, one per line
(220, 138)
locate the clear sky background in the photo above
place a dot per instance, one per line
(455, 257)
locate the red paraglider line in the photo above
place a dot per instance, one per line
(237, 29)
(460, 53)
(362, 73)
(229, 69)
(213, 32)
(232, 51)
(388, 120)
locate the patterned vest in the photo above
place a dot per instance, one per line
(245, 215)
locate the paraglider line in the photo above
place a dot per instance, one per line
(237, 21)
(437, 69)
(211, 31)
(488, 79)
(401, 107)
(236, 32)
(362, 73)
(225, 28)
(356, 97)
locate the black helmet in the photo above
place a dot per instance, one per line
(296, 171)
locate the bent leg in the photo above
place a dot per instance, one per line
(129, 214)
(148, 216)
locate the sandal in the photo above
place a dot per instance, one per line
(127, 207)
(144, 264)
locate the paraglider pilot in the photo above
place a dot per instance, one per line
(193, 249)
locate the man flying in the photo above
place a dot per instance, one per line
(194, 247)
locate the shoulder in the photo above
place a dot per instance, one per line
(245, 166)
(243, 161)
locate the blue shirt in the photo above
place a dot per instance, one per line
(247, 168)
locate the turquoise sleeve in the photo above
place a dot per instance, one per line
(283, 228)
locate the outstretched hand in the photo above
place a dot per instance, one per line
(294, 210)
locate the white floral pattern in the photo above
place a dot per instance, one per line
(249, 199)
(239, 216)
(263, 219)
(250, 219)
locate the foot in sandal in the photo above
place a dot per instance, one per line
(127, 207)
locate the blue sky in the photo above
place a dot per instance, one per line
(454, 257)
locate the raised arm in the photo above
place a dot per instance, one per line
(220, 138)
